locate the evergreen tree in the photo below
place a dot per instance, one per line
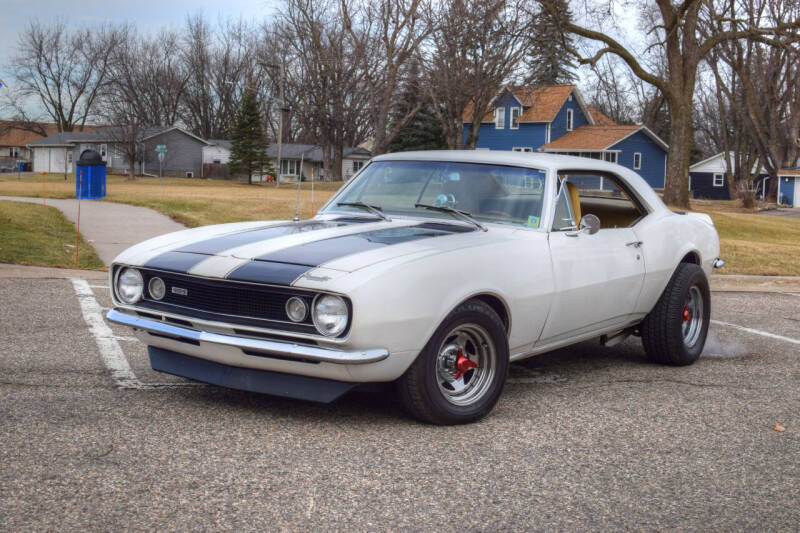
(549, 61)
(423, 131)
(249, 145)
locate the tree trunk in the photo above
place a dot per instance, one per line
(338, 156)
(676, 188)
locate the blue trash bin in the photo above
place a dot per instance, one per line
(21, 166)
(90, 176)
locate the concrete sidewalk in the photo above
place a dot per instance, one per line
(110, 227)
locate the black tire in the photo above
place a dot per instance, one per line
(663, 333)
(423, 389)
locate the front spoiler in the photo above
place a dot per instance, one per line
(247, 379)
(288, 350)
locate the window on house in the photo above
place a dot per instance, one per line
(289, 167)
(69, 156)
(569, 98)
(719, 180)
(515, 113)
(569, 119)
(217, 161)
(103, 149)
(522, 149)
(611, 157)
(500, 118)
(637, 161)
(357, 165)
(10, 152)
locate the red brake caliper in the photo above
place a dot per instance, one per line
(686, 315)
(463, 364)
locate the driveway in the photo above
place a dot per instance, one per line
(110, 227)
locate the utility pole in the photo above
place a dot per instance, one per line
(282, 104)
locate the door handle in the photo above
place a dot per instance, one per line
(635, 244)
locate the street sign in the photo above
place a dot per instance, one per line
(161, 148)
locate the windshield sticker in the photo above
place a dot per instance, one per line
(533, 222)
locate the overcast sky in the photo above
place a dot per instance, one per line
(147, 15)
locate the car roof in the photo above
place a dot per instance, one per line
(540, 160)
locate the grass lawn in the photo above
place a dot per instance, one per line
(31, 234)
(751, 244)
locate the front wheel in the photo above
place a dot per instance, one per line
(459, 375)
(674, 332)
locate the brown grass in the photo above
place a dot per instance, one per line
(751, 243)
(32, 234)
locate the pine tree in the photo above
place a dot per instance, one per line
(423, 131)
(249, 145)
(549, 61)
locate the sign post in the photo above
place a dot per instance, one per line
(161, 150)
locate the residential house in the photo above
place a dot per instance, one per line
(184, 157)
(556, 119)
(14, 143)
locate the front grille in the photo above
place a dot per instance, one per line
(227, 301)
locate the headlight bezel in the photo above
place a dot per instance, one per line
(118, 279)
(348, 315)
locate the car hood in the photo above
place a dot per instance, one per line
(281, 252)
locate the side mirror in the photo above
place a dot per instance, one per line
(590, 224)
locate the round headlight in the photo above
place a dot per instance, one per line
(296, 309)
(130, 286)
(330, 315)
(156, 288)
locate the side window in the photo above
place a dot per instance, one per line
(500, 118)
(562, 218)
(604, 196)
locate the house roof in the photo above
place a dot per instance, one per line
(598, 138)
(104, 134)
(600, 118)
(717, 163)
(11, 135)
(789, 172)
(222, 143)
(540, 103)
(310, 152)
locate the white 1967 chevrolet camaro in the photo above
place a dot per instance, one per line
(432, 270)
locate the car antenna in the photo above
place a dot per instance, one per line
(299, 182)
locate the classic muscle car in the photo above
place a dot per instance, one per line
(431, 270)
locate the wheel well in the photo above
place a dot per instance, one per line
(691, 257)
(495, 303)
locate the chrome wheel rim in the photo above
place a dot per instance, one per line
(466, 364)
(692, 317)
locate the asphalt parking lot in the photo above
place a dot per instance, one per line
(586, 438)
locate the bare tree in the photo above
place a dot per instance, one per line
(64, 71)
(146, 86)
(398, 31)
(328, 55)
(677, 33)
(476, 47)
(766, 92)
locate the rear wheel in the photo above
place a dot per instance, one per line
(459, 375)
(674, 332)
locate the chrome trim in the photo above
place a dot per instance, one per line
(719, 263)
(285, 349)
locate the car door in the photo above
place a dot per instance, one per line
(598, 277)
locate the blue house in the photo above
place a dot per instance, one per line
(789, 189)
(556, 119)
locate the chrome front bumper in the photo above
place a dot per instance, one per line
(270, 347)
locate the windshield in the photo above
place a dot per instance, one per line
(488, 193)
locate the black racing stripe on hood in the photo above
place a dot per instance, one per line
(175, 261)
(318, 252)
(216, 245)
(268, 272)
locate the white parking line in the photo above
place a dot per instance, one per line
(113, 357)
(756, 332)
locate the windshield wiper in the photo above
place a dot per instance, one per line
(460, 214)
(374, 209)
